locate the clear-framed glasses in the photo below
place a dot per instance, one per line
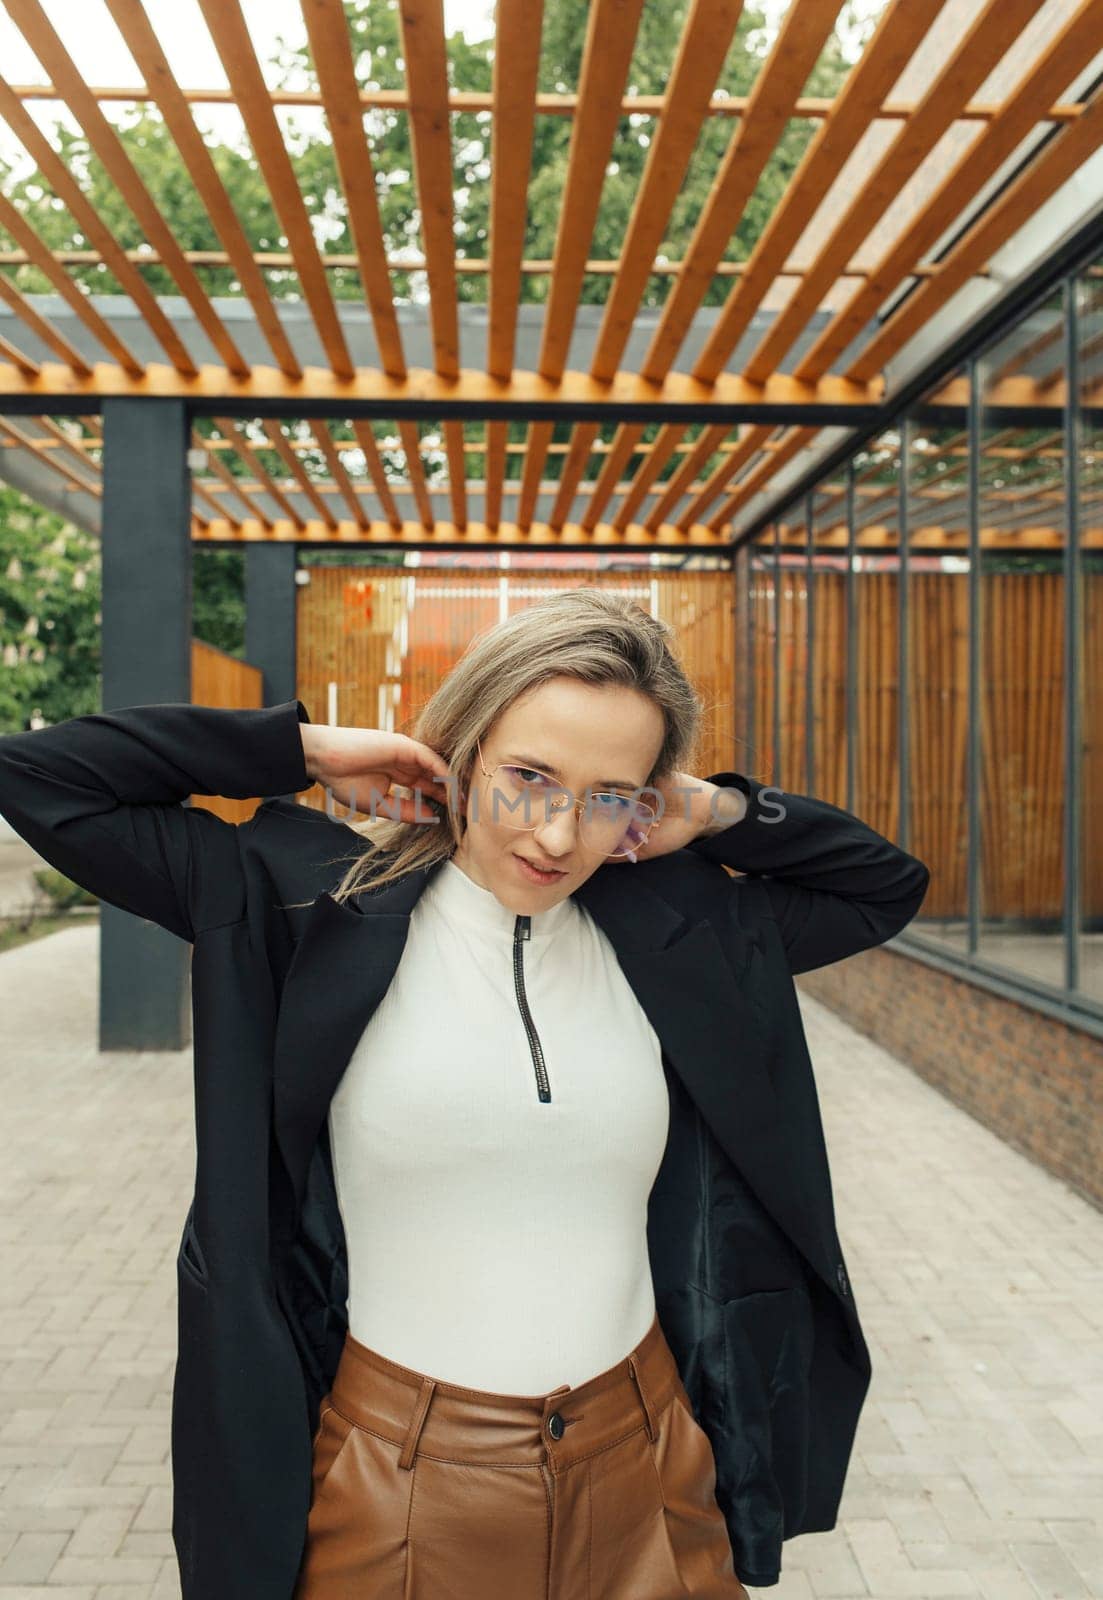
(610, 823)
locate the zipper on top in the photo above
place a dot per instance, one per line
(522, 929)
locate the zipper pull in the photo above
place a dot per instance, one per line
(522, 927)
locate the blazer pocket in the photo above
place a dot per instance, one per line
(190, 1258)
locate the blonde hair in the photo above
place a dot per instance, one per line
(597, 636)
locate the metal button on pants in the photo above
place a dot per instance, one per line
(605, 1491)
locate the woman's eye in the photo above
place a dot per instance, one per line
(527, 773)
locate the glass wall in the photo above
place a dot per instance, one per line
(1087, 625)
(928, 647)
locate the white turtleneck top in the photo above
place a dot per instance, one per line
(497, 1240)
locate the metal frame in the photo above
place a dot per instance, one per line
(1068, 1005)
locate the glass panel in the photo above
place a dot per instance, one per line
(1090, 622)
(1022, 512)
(829, 557)
(793, 620)
(876, 730)
(761, 762)
(937, 663)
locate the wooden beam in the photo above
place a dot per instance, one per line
(237, 438)
(809, 108)
(572, 536)
(472, 392)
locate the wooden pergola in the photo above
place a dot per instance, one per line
(163, 421)
(742, 395)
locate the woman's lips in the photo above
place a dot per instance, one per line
(534, 874)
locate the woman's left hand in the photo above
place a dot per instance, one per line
(690, 806)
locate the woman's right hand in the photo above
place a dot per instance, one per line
(359, 765)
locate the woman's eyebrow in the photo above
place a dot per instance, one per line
(552, 772)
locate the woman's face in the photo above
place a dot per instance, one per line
(586, 737)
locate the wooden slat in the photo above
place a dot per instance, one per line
(298, 471)
(795, 52)
(607, 55)
(1054, 69)
(16, 224)
(84, 214)
(238, 438)
(321, 433)
(457, 471)
(901, 29)
(47, 46)
(415, 471)
(330, 47)
(239, 62)
(978, 52)
(365, 438)
(494, 471)
(626, 441)
(702, 51)
(583, 438)
(70, 445)
(22, 363)
(536, 453)
(40, 325)
(423, 50)
(518, 25)
(142, 42)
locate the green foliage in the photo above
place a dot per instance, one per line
(61, 891)
(49, 615)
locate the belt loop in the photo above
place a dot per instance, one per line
(413, 1432)
(652, 1430)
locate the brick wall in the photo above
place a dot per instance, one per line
(1033, 1080)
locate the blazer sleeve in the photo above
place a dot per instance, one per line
(101, 798)
(835, 885)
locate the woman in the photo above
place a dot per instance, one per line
(509, 1160)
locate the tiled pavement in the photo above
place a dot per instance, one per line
(978, 1465)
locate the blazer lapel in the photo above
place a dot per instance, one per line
(700, 1004)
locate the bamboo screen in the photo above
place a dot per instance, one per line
(219, 679)
(1022, 719)
(374, 642)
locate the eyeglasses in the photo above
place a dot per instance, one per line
(610, 823)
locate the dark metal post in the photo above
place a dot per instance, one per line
(270, 605)
(146, 654)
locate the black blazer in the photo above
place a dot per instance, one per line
(750, 1282)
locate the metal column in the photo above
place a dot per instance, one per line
(146, 653)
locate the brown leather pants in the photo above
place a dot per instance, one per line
(423, 1490)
